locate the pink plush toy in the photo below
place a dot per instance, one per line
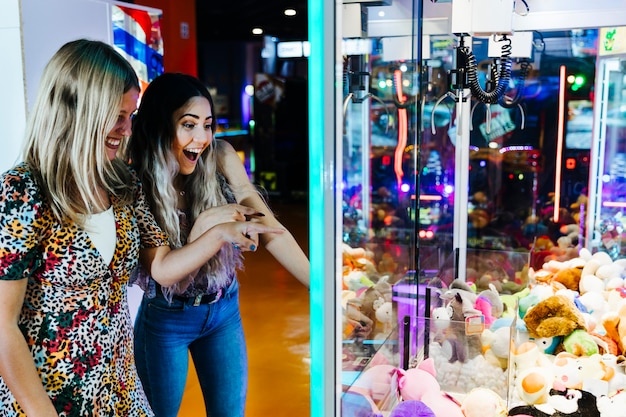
(375, 384)
(421, 384)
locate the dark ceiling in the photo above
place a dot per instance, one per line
(233, 20)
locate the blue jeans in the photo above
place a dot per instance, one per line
(213, 333)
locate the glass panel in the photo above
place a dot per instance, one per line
(608, 198)
(378, 180)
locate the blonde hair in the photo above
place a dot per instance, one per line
(78, 103)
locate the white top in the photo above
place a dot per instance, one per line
(101, 230)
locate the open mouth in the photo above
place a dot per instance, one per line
(113, 143)
(192, 155)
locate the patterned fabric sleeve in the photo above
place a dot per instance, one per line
(151, 233)
(20, 206)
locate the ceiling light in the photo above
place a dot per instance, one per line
(290, 12)
(257, 31)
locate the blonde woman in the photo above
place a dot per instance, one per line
(73, 223)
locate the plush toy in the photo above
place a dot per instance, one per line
(410, 408)
(462, 299)
(384, 315)
(568, 403)
(580, 343)
(595, 304)
(614, 324)
(496, 346)
(354, 280)
(483, 402)
(572, 371)
(555, 316)
(597, 270)
(421, 384)
(376, 297)
(454, 349)
(462, 306)
(387, 264)
(566, 246)
(356, 404)
(440, 317)
(606, 345)
(356, 324)
(618, 382)
(489, 304)
(528, 355)
(569, 277)
(457, 343)
(612, 406)
(548, 345)
(375, 384)
(358, 259)
(538, 293)
(511, 301)
(533, 384)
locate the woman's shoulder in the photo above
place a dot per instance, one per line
(20, 177)
(223, 146)
(19, 189)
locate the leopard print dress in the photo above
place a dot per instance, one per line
(75, 316)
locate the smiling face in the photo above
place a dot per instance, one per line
(122, 127)
(194, 133)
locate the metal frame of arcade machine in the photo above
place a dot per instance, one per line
(607, 185)
(327, 121)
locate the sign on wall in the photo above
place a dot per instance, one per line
(137, 36)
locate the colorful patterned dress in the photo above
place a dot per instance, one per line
(75, 316)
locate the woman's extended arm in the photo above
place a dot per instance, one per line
(16, 362)
(283, 247)
(168, 266)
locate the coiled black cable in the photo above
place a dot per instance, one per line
(510, 102)
(502, 81)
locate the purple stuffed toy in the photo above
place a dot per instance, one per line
(411, 408)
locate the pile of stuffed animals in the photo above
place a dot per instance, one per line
(555, 348)
(569, 353)
(366, 296)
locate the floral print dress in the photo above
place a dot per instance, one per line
(75, 316)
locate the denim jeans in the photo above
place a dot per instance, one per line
(213, 333)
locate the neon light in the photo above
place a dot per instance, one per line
(614, 204)
(402, 129)
(427, 197)
(515, 148)
(559, 145)
(321, 76)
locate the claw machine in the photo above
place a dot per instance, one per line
(364, 191)
(430, 161)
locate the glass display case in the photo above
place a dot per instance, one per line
(607, 192)
(442, 162)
